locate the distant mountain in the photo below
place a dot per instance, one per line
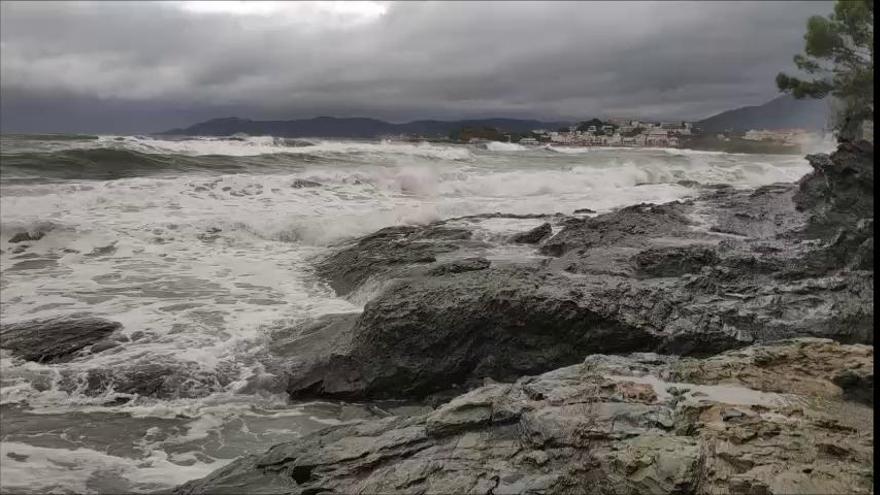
(783, 112)
(332, 127)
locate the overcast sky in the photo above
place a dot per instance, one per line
(143, 67)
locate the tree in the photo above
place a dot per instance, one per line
(839, 56)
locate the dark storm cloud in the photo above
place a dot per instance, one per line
(138, 67)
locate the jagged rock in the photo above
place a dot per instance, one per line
(161, 378)
(626, 227)
(301, 183)
(54, 340)
(674, 261)
(534, 235)
(26, 236)
(611, 425)
(650, 278)
(386, 250)
(584, 210)
(458, 266)
(840, 190)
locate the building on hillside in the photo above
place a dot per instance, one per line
(528, 141)
(657, 137)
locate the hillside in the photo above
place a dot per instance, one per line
(351, 127)
(780, 113)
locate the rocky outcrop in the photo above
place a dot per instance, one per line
(840, 191)
(726, 270)
(301, 183)
(386, 251)
(26, 236)
(54, 340)
(534, 235)
(637, 424)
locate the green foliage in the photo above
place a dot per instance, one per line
(839, 57)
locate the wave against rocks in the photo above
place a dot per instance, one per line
(729, 269)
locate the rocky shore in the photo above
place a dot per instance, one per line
(722, 344)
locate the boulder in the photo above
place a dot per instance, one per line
(26, 236)
(534, 235)
(301, 183)
(388, 250)
(54, 340)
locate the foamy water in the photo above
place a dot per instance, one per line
(202, 249)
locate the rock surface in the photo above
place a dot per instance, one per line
(533, 236)
(54, 340)
(637, 424)
(697, 277)
(26, 236)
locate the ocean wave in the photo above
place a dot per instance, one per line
(499, 146)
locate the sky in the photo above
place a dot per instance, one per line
(139, 67)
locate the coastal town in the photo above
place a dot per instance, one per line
(641, 133)
(630, 133)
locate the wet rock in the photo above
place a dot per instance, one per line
(534, 235)
(632, 225)
(674, 261)
(840, 190)
(584, 210)
(607, 426)
(160, 378)
(105, 250)
(20, 249)
(301, 183)
(54, 340)
(459, 266)
(646, 278)
(26, 236)
(385, 250)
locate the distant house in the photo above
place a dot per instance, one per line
(592, 128)
(657, 137)
(607, 128)
(528, 141)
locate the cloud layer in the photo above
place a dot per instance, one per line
(141, 67)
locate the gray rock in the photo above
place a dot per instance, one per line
(533, 236)
(54, 340)
(26, 236)
(459, 266)
(606, 426)
(301, 183)
(386, 250)
(648, 278)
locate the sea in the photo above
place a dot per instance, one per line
(203, 248)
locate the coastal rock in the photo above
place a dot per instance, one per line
(161, 378)
(301, 183)
(386, 250)
(459, 266)
(534, 235)
(26, 236)
(840, 190)
(725, 270)
(54, 340)
(611, 425)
